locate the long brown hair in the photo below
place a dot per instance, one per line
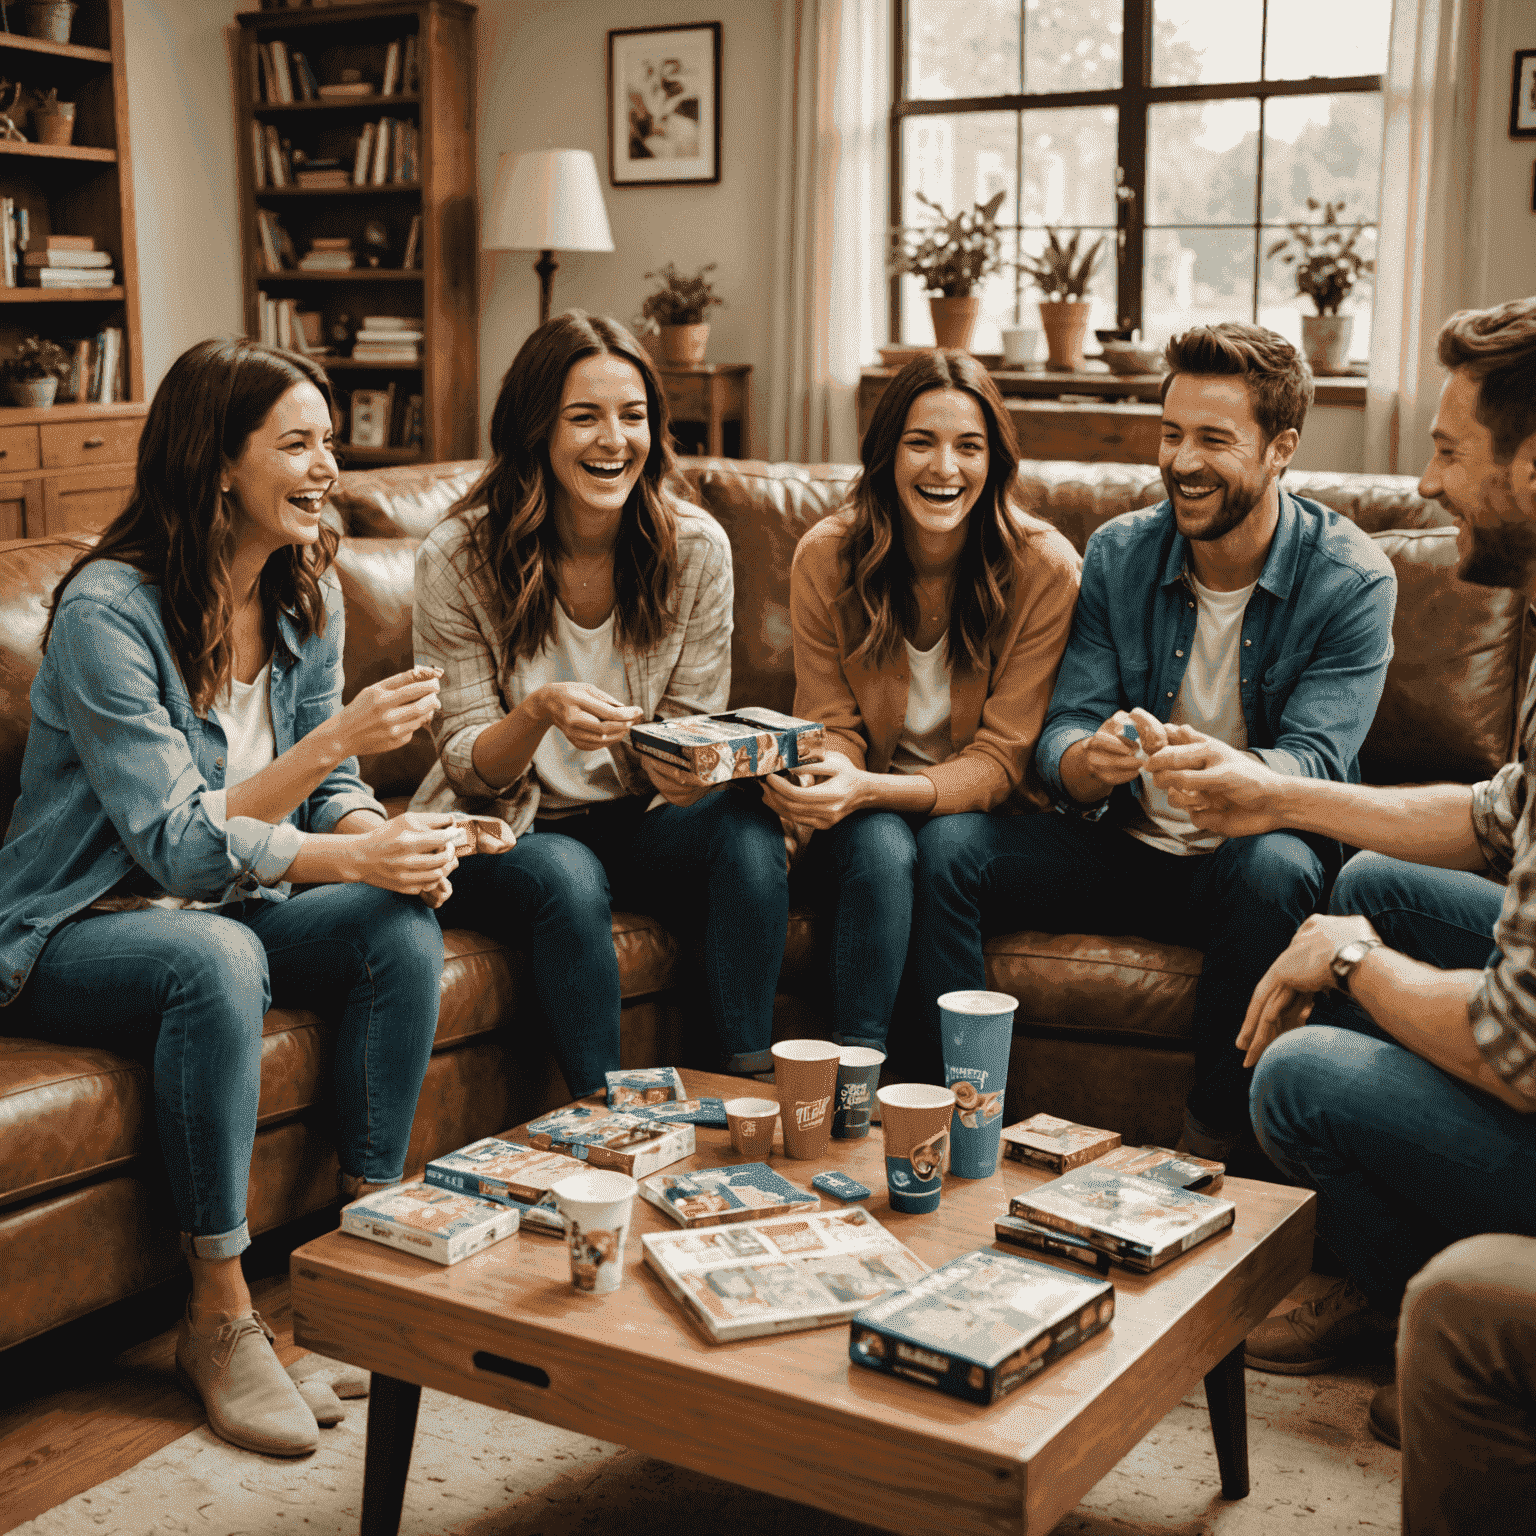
(517, 545)
(177, 528)
(995, 537)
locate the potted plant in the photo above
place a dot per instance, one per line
(32, 376)
(52, 119)
(949, 257)
(1328, 264)
(675, 311)
(1062, 276)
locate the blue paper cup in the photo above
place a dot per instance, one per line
(858, 1075)
(978, 1030)
(914, 1118)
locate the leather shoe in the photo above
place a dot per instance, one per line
(229, 1363)
(1385, 1419)
(1311, 1337)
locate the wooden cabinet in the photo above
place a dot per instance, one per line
(713, 396)
(67, 469)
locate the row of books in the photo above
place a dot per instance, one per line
(385, 153)
(387, 339)
(95, 369)
(284, 75)
(283, 324)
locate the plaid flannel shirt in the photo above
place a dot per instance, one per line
(689, 673)
(1503, 1009)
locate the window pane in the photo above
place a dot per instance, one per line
(962, 48)
(1072, 45)
(1281, 307)
(1201, 42)
(1070, 156)
(958, 160)
(1101, 286)
(1355, 33)
(1202, 162)
(1195, 277)
(1325, 147)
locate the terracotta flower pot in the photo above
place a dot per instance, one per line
(56, 127)
(684, 344)
(32, 392)
(1065, 323)
(954, 320)
(1325, 341)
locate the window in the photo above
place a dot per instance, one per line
(1186, 133)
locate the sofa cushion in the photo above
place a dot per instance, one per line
(405, 501)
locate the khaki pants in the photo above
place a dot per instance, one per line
(1466, 1374)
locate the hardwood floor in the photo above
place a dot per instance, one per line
(92, 1399)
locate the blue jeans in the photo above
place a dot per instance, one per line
(980, 875)
(1405, 1158)
(194, 986)
(719, 861)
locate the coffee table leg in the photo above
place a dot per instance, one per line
(392, 1408)
(1226, 1396)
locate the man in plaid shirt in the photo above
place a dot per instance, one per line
(1409, 1103)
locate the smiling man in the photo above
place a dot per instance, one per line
(1258, 618)
(1410, 1104)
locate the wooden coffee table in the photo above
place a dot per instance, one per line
(791, 1415)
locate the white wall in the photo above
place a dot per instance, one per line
(182, 135)
(543, 85)
(1502, 244)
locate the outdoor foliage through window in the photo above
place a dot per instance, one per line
(1192, 154)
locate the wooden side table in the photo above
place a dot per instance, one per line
(712, 393)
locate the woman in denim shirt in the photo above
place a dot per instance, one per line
(188, 758)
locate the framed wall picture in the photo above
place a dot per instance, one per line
(664, 106)
(370, 417)
(1522, 102)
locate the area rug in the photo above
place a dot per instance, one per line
(480, 1472)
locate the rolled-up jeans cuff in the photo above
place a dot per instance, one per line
(868, 1041)
(221, 1245)
(352, 1184)
(748, 1063)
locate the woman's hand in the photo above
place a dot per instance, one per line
(387, 714)
(840, 790)
(587, 717)
(413, 854)
(672, 784)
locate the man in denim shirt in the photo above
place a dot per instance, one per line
(1233, 609)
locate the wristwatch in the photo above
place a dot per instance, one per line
(1347, 956)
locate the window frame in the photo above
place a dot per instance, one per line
(1132, 97)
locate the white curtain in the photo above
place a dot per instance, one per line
(1429, 107)
(829, 295)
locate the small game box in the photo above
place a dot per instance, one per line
(706, 1197)
(507, 1172)
(1181, 1170)
(745, 744)
(633, 1144)
(1044, 1141)
(433, 1223)
(981, 1325)
(644, 1085)
(1017, 1232)
(691, 1111)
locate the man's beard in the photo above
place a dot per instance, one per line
(1237, 501)
(1501, 556)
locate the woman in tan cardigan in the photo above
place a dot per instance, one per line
(929, 619)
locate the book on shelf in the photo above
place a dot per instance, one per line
(69, 277)
(363, 155)
(78, 260)
(412, 257)
(981, 1325)
(259, 153)
(277, 157)
(410, 68)
(345, 90)
(8, 241)
(380, 168)
(1045, 1141)
(413, 426)
(95, 368)
(433, 1223)
(277, 54)
(322, 176)
(391, 69)
(304, 77)
(780, 1275)
(1137, 1221)
(69, 243)
(274, 241)
(706, 1197)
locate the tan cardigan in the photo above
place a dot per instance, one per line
(995, 717)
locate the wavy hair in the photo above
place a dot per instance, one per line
(516, 545)
(879, 570)
(178, 529)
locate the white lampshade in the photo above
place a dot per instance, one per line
(547, 200)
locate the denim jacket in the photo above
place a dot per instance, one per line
(121, 776)
(1317, 637)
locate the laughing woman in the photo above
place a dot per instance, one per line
(188, 757)
(929, 619)
(567, 597)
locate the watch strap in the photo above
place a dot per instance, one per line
(1347, 956)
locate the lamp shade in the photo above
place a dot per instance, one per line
(547, 200)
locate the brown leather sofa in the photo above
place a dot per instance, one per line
(1102, 1029)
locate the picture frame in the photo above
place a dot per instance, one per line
(664, 105)
(370, 418)
(1522, 96)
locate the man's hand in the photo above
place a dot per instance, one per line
(1284, 997)
(672, 784)
(1220, 788)
(1093, 766)
(839, 790)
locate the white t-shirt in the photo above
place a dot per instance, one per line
(925, 736)
(1209, 699)
(570, 779)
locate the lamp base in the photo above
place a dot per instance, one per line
(546, 266)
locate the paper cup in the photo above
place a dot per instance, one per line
(597, 1206)
(915, 1119)
(805, 1073)
(752, 1122)
(858, 1075)
(977, 1030)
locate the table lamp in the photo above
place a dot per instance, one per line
(547, 200)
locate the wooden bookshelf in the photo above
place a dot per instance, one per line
(441, 294)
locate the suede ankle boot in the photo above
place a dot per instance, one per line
(229, 1363)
